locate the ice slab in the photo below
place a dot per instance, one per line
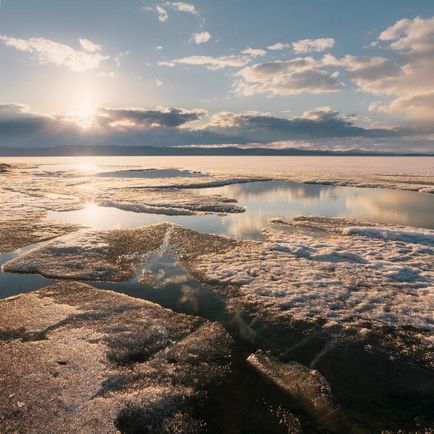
(77, 359)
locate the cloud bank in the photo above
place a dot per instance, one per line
(322, 128)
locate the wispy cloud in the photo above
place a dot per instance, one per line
(312, 45)
(183, 7)
(167, 63)
(161, 8)
(211, 62)
(278, 46)
(254, 52)
(46, 51)
(218, 62)
(89, 46)
(162, 13)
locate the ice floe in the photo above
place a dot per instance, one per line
(338, 277)
(77, 359)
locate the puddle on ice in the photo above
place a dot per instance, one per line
(268, 199)
(176, 290)
(13, 283)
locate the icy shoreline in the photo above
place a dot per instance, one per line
(351, 299)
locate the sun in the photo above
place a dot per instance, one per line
(84, 116)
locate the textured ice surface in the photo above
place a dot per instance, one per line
(76, 359)
(406, 173)
(21, 224)
(31, 190)
(339, 277)
(112, 255)
(396, 234)
(170, 201)
(91, 255)
(334, 275)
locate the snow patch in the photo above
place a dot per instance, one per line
(386, 233)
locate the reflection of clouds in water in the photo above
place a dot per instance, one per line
(177, 279)
(243, 224)
(189, 296)
(273, 190)
(275, 199)
(396, 207)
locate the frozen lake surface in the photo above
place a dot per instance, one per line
(239, 166)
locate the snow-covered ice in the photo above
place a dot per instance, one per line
(340, 277)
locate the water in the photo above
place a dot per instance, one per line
(13, 283)
(269, 199)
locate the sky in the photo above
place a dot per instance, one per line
(314, 74)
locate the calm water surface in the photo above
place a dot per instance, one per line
(265, 200)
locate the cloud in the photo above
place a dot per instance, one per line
(47, 51)
(407, 76)
(420, 106)
(158, 82)
(89, 46)
(290, 77)
(145, 118)
(254, 52)
(183, 7)
(312, 45)
(167, 63)
(214, 63)
(169, 126)
(20, 126)
(368, 73)
(13, 108)
(161, 9)
(218, 62)
(411, 35)
(315, 124)
(278, 46)
(201, 37)
(162, 13)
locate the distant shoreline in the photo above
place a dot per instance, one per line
(77, 151)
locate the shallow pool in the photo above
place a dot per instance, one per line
(265, 200)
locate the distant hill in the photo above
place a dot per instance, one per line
(82, 150)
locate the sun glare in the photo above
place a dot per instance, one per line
(84, 116)
(86, 167)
